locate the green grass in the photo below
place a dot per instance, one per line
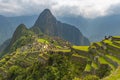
(62, 50)
(94, 65)
(114, 76)
(108, 41)
(115, 46)
(77, 55)
(43, 41)
(99, 43)
(117, 42)
(88, 67)
(111, 44)
(114, 58)
(43, 57)
(103, 61)
(58, 47)
(114, 52)
(81, 48)
(116, 36)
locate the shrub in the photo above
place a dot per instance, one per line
(91, 77)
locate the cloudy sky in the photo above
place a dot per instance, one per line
(85, 8)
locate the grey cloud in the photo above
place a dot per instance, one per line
(22, 7)
(114, 9)
(58, 7)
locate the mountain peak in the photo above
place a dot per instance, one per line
(45, 18)
(46, 11)
(21, 34)
(21, 26)
(49, 25)
(20, 30)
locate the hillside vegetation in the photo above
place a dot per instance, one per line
(32, 56)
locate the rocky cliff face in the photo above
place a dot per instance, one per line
(50, 26)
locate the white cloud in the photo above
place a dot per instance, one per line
(86, 8)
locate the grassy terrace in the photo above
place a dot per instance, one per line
(108, 41)
(114, 76)
(81, 48)
(115, 53)
(114, 58)
(103, 61)
(116, 36)
(117, 42)
(62, 50)
(94, 65)
(88, 68)
(114, 46)
(43, 41)
(80, 56)
(95, 44)
(111, 44)
(99, 43)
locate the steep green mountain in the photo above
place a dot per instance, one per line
(50, 26)
(20, 37)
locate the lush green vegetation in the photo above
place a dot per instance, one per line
(40, 57)
(94, 65)
(88, 67)
(43, 41)
(82, 48)
(114, 58)
(114, 76)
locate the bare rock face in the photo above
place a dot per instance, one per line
(49, 25)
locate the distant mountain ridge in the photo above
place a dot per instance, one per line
(9, 24)
(94, 29)
(49, 25)
(46, 24)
